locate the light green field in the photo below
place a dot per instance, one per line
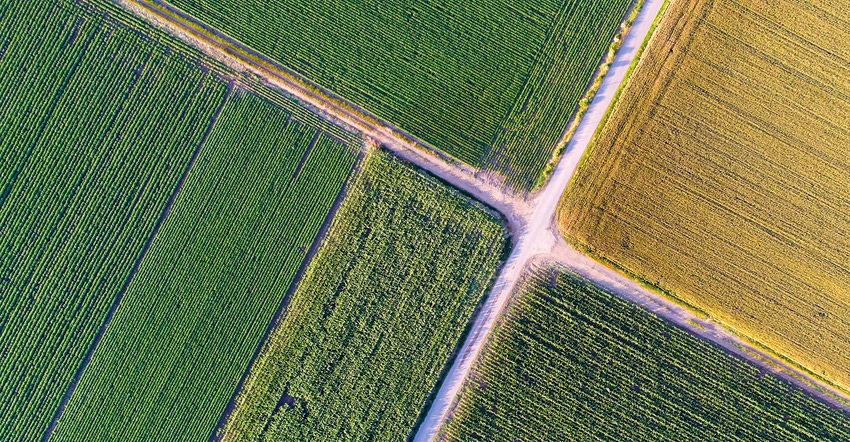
(378, 313)
(216, 273)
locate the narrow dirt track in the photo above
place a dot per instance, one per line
(532, 221)
(243, 59)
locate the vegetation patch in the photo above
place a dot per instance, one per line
(572, 362)
(376, 318)
(97, 127)
(492, 83)
(216, 273)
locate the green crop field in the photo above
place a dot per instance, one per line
(490, 82)
(372, 324)
(97, 126)
(216, 273)
(572, 362)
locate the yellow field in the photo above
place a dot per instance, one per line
(723, 175)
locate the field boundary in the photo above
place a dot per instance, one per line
(736, 342)
(591, 90)
(511, 132)
(274, 323)
(148, 242)
(531, 219)
(746, 346)
(619, 281)
(242, 58)
(540, 235)
(506, 253)
(545, 270)
(232, 55)
(532, 264)
(616, 100)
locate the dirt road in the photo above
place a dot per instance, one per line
(531, 221)
(540, 236)
(243, 59)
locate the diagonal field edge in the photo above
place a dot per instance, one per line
(69, 392)
(243, 52)
(218, 430)
(540, 235)
(339, 112)
(524, 218)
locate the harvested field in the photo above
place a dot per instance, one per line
(722, 175)
(492, 83)
(217, 271)
(379, 311)
(84, 179)
(572, 362)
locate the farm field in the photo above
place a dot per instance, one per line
(189, 253)
(572, 362)
(193, 316)
(84, 179)
(493, 83)
(721, 176)
(376, 316)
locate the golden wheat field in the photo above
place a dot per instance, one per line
(723, 174)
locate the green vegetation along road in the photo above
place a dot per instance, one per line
(569, 361)
(215, 274)
(379, 312)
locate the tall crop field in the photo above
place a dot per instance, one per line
(572, 362)
(380, 309)
(491, 82)
(215, 274)
(97, 126)
(722, 176)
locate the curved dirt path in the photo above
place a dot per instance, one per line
(531, 222)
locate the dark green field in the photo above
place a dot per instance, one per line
(214, 276)
(490, 82)
(572, 362)
(370, 327)
(84, 179)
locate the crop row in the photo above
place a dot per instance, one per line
(492, 83)
(576, 42)
(97, 126)
(573, 362)
(722, 175)
(380, 309)
(445, 71)
(215, 274)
